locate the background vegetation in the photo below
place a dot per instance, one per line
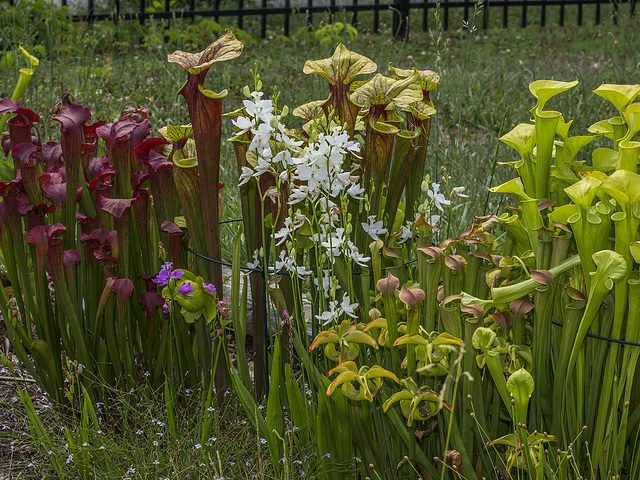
(483, 94)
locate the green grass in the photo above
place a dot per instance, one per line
(133, 439)
(483, 93)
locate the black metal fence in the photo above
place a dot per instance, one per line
(548, 12)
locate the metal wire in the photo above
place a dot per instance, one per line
(261, 271)
(607, 339)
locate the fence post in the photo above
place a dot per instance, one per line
(376, 17)
(141, 10)
(579, 14)
(543, 13)
(505, 14)
(354, 18)
(401, 19)
(485, 15)
(425, 16)
(287, 5)
(597, 12)
(524, 15)
(561, 19)
(445, 18)
(240, 17)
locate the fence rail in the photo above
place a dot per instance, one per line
(400, 10)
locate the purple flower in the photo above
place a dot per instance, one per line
(210, 287)
(165, 308)
(186, 288)
(166, 274)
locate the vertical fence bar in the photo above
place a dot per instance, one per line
(579, 14)
(376, 17)
(445, 17)
(217, 7)
(141, 10)
(332, 10)
(561, 19)
(287, 5)
(425, 16)
(400, 18)
(354, 18)
(263, 23)
(192, 5)
(505, 14)
(309, 13)
(404, 31)
(466, 11)
(167, 22)
(117, 7)
(523, 22)
(615, 13)
(597, 12)
(240, 16)
(485, 16)
(543, 13)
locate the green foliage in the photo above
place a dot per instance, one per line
(131, 435)
(334, 33)
(481, 302)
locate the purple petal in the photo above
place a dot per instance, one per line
(186, 288)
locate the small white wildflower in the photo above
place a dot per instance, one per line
(244, 124)
(459, 191)
(374, 228)
(438, 198)
(329, 315)
(347, 307)
(405, 233)
(246, 174)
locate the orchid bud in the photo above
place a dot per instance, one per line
(285, 112)
(246, 91)
(273, 122)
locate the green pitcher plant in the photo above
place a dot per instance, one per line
(509, 349)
